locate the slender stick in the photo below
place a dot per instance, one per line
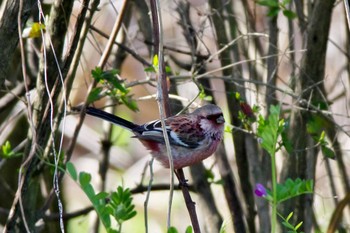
(162, 92)
(163, 100)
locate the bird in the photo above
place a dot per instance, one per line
(193, 137)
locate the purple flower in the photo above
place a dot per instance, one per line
(260, 190)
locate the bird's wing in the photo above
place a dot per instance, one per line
(181, 133)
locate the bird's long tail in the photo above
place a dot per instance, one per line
(109, 117)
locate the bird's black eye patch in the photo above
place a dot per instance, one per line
(214, 117)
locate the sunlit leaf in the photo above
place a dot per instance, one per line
(189, 229)
(298, 226)
(155, 61)
(34, 30)
(289, 216)
(70, 168)
(95, 94)
(172, 230)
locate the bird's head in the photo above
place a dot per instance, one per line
(211, 120)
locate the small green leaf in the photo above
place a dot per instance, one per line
(322, 136)
(172, 230)
(110, 230)
(155, 61)
(269, 130)
(273, 12)
(328, 152)
(121, 203)
(90, 192)
(289, 14)
(223, 227)
(288, 225)
(189, 229)
(130, 103)
(101, 195)
(268, 3)
(97, 73)
(150, 69)
(289, 216)
(168, 69)
(110, 76)
(238, 96)
(298, 226)
(84, 178)
(70, 168)
(209, 174)
(95, 95)
(7, 152)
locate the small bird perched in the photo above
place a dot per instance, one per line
(193, 137)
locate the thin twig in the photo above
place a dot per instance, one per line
(149, 188)
(162, 91)
(122, 46)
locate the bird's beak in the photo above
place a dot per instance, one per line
(220, 120)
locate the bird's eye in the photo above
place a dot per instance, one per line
(214, 117)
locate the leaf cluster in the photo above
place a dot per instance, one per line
(270, 129)
(115, 204)
(112, 86)
(289, 226)
(275, 6)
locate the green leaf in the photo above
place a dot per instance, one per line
(150, 69)
(289, 14)
(172, 230)
(6, 149)
(238, 96)
(298, 226)
(70, 168)
(110, 230)
(101, 196)
(288, 225)
(289, 216)
(7, 152)
(285, 2)
(155, 61)
(84, 178)
(273, 12)
(130, 102)
(223, 227)
(328, 152)
(268, 3)
(168, 69)
(97, 73)
(269, 130)
(189, 229)
(209, 174)
(111, 78)
(95, 95)
(322, 136)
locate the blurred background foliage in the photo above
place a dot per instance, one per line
(244, 56)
